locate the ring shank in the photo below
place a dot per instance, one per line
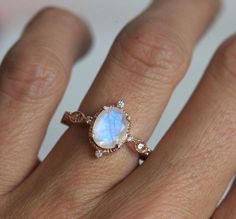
(140, 147)
(76, 117)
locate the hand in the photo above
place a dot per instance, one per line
(193, 164)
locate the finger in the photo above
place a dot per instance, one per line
(33, 77)
(144, 65)
(189, 172)
(227, 209)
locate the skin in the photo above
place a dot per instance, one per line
(188, 173)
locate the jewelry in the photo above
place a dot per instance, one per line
(109, 130)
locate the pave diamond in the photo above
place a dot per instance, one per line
(89, 119)
(121, 104)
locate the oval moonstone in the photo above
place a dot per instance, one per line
(110, 128)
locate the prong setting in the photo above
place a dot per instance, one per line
(89, 120)
(98, 153)
(98, 137)
(130, 138)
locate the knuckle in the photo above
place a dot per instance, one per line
(225, 61)
(222, 71)
(47, 208)
(174, 212)
(42, 205)
(157, 54)
(164, 212)
(157, 209)
(224, 136)
(60, 207)
(29, 77)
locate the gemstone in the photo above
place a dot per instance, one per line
(110, 128)
(140, 146)
(121, 104)
(130, 138)
(89, 119)
(98, 154)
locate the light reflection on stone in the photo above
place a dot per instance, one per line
(110, 128)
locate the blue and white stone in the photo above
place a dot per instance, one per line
(110, 128)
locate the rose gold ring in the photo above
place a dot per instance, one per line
(109, 130)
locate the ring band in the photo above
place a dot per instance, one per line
(109, 130)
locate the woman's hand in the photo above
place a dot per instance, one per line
(187, 174)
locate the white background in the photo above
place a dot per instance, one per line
(106, 18)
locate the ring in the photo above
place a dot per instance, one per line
(109, 130)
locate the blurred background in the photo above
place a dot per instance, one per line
(106, 18)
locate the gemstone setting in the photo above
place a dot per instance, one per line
(110, 128)
(121, 104)
(140, 146)
(98, 154)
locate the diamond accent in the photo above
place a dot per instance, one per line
(89, 119)
(140, 146)
(121, 104)
(130, 138)
(98, 154)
